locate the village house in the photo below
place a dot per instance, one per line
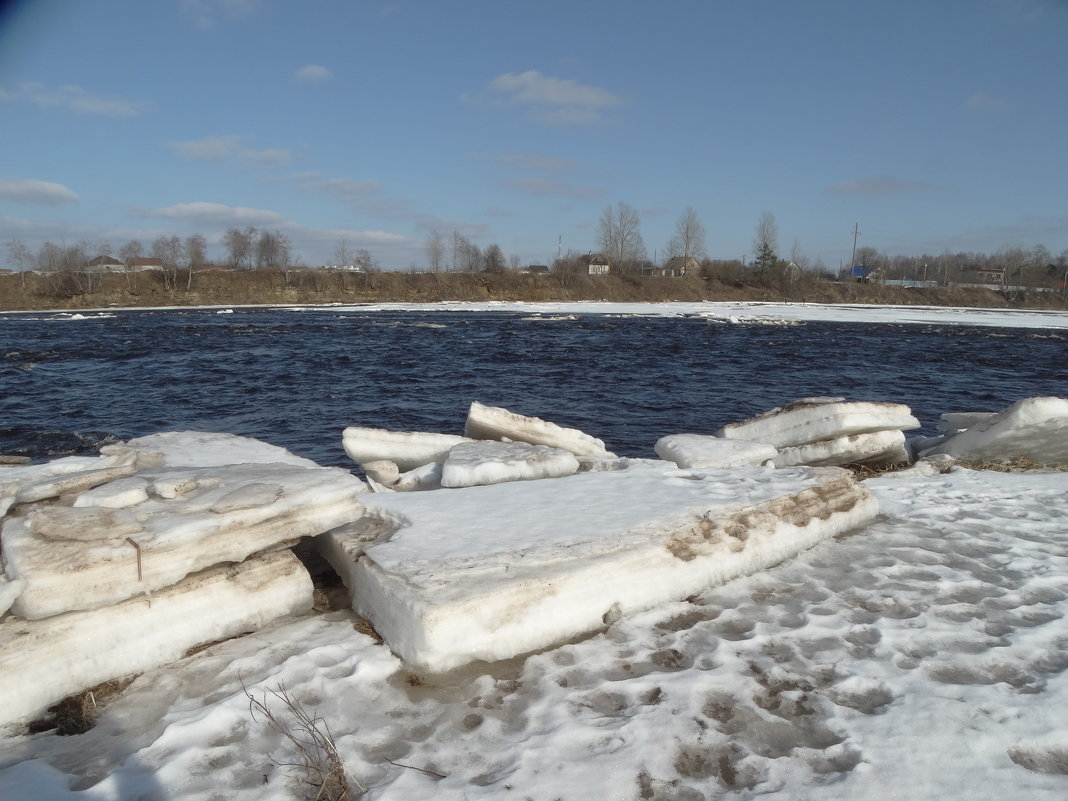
(595, 264)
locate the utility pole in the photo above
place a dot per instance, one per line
(853, 259)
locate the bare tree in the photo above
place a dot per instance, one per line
(493, 259)
(766, 245)
(513, 261)
(238, 246)
(20, 257)
(364, 261)
(194, 252)
(168, 251)
(435, 251)
(689, 238)
(620, 236)
(342, 253)
(127, 253)
(466, 256)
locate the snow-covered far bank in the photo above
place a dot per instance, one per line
(741, 312)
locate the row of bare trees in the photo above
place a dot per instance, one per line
(464, 255)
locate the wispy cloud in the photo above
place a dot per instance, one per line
(556, 101)
(76, 99)
(208, 13)
(346, 189)
(210, 148)
(878, 185)
(30, 190)
(542, 187)
(982, 101)
(530, 161)
(312, 73)
(219, 215)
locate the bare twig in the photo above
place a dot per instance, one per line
(138, 549)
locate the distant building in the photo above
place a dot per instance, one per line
(681, 266)
(140, 264)
(535, 269)
(595, 264)
(993, 275)
(105, 264)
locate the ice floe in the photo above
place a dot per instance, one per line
(700, 450)
(475, 463)
(485, 573)
(811, 420)
(407, 449)
(491, 422)
(883, 447)
(47, 660)
(1033, 428)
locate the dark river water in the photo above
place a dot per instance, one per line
(297, 378)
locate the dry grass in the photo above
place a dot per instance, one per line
(76, 714)
(1015, 465)
(317, 759)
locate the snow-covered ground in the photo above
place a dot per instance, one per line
(922, 656)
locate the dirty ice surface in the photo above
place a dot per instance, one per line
(923, 656)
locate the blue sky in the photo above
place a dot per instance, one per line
(933, 125)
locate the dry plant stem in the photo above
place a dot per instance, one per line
(319, 760)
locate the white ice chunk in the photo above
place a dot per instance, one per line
(70, 474)
(491, 572)
(959, 421)
(9, 591)
(493, 422)
(805, 421)
(116, 494)
(46, 660)
(381, 471)
(616, 463)
(699, 450)
(83, 557)
(427, 477)
(472, 464)
(1033, 428)
(202, 449)
(878, 447)
(408, 449)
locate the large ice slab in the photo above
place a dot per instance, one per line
(485, 573)
(493, 422)
(473, 464)
(814, 419)
(85, 556)
(878, 447)
(1033, 428)
(201, 449)
(71, 474)
(44, 661)
(407, 449)
(700, 450)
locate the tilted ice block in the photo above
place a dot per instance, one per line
(485, 573)
(201, 449)
(1033, 428)
(699, 450)
(43, 661)
(878, 447)
(472, 464)
(492, 422)
(84, 557)
(407, 449)
(816, 419)
(70, 474)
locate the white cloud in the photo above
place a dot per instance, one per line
(74, 98)
(529, 161)
(311, 73)
(220, 215)
(207, 13)
(981, 101)
(541, 187)
(557, 101)
(878, 185)
(29, 190)
(210, 148)
(206, 148)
